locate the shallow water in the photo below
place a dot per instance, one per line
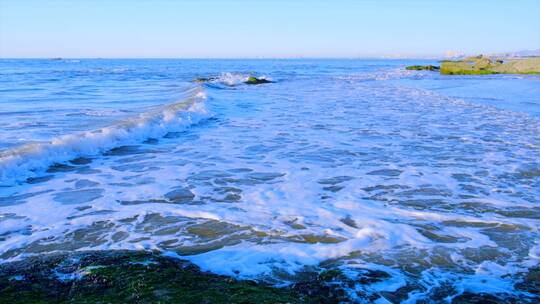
(430, 181)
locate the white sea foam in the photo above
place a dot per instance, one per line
(341, 172)
(234, 79)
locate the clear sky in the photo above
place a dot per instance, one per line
(265, 28)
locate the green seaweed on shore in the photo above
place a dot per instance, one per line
(140, 277)
(466, 72)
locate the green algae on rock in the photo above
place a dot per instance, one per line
(205, 79)
(482, 65)
(255, 80)
(422, 68)
(140, 277)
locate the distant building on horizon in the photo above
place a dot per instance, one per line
(453, 54)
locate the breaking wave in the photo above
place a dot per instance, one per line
(25, 161)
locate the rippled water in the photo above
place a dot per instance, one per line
(413, 184)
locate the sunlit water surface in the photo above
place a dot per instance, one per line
(408, 182)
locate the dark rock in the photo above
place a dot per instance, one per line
(422, 68)
(255, 80)
(180, 195)
(205, 79)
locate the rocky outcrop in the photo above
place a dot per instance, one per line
(482, 65)
(144, 277)
(255, 80)
(422, 68)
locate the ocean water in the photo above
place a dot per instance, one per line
(408, 182)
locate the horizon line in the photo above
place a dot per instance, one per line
(229, 58)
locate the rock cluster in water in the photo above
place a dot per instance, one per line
(250, 80)
(483, 65)
(423, 68)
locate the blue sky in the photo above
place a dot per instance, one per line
(265, 28)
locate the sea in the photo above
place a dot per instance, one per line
(406, 182)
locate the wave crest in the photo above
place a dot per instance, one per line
(27, 160)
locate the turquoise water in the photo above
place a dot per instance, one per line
(432, 181)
